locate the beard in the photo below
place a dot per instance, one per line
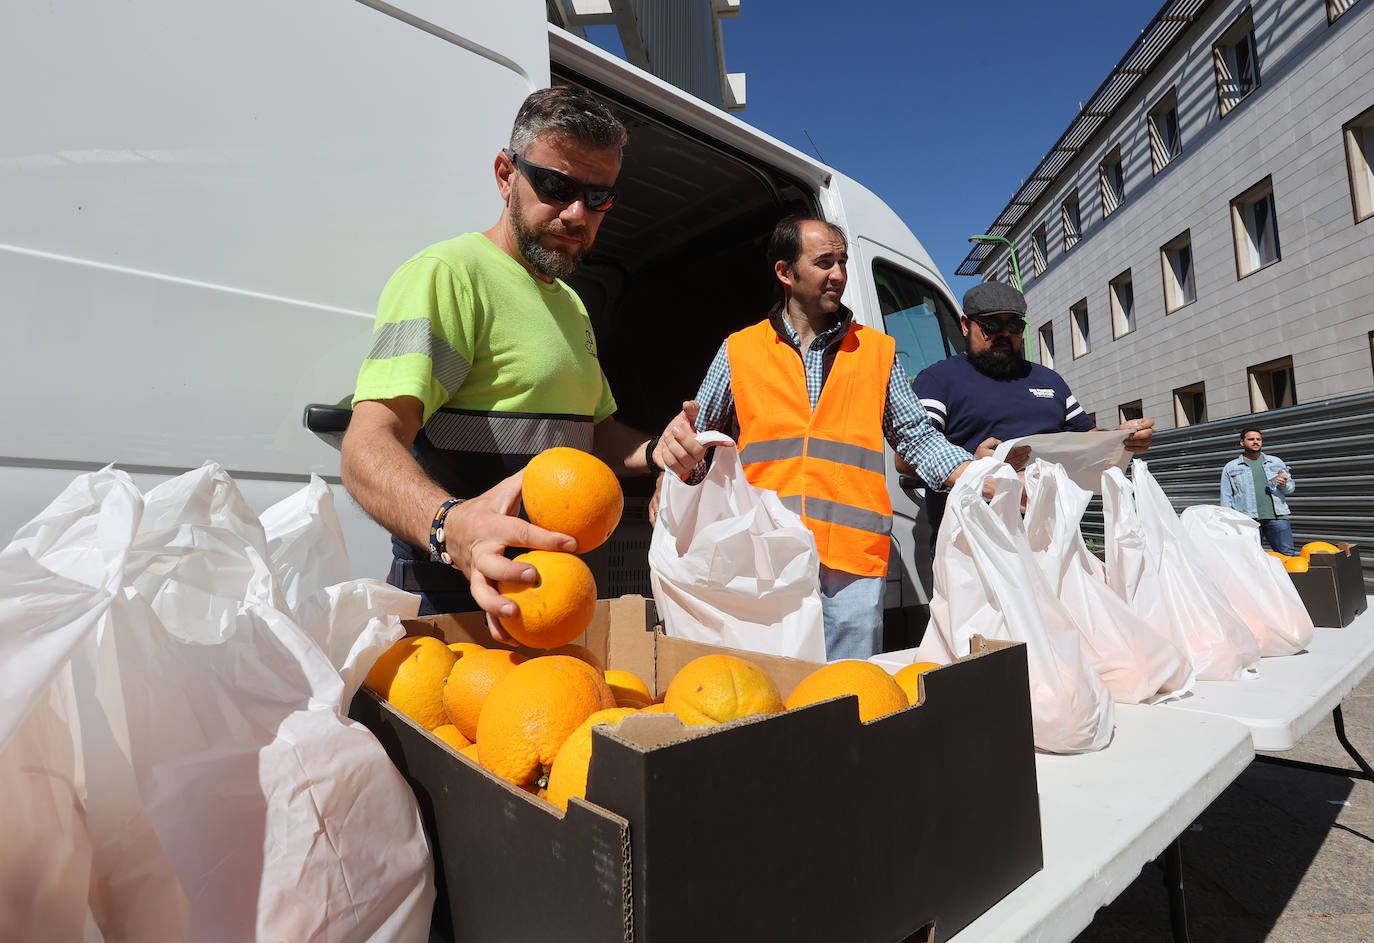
(999, 363)
(552, 263)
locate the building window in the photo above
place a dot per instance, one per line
(1121, 294)
(1255, 227)
(1039, 246)
(1237, 63)
(1336, 8)
(1359, 153)
(1073, 223)
(1092, 418)
(1271, 385)
(1112, 181)
(1047, 344)
(1165, 141)
(1078, 327)
(1190, 405)
(1176, 259)
(1128, 411)
(1012, 280)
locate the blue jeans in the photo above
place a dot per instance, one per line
(852, 607)
(1278, 534)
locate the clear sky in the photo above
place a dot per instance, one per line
(940, 108)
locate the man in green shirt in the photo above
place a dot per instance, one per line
(1257, 484)
(481, 358)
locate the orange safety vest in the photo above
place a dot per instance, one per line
(826, 465)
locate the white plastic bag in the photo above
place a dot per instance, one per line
(988, 583)
(1137, 662)
(1153, 567)
(730, 565)
(1084, 455)
(165, 713)
(1256, 585)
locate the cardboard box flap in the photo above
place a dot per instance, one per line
(853, 781)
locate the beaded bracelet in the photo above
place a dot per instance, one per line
(649, 454)
(438, 553)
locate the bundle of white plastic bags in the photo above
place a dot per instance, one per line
(989, 583)
(1154, 567)
(1139, 661)
(175, 759)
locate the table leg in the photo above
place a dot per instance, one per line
(1364, 771)
(1354, 754)
(1173, 883)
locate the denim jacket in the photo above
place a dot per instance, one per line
(1238, 485)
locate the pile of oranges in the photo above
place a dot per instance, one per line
(529, 719)
(1300, 562)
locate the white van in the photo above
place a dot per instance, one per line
(201, 204)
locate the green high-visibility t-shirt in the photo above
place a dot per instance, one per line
(463, 325)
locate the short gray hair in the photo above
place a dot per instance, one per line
(568, 112)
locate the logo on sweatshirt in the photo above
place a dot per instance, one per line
(1042, 393)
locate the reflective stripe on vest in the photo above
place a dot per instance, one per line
(827, 464)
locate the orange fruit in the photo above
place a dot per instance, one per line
(1296, 564)
(568, 776)
(906, 678)
(470, 751)
(715, 688)
(1276, 554)
(452, 736)
(532, 710)
(410, 674)
(1318, 546)
(465, 648)
(580, 652)
(470, 680)
(627, 686)
(574, 493)
(557, 607)
(658, 708)
(879, 693)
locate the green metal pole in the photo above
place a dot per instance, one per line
(1016, 278)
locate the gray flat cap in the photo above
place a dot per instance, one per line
(994, 298)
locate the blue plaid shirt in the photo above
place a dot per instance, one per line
(905, 424)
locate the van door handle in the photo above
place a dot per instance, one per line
(328, 422)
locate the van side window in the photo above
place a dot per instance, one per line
(924, 325)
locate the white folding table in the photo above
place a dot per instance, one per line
(1294, 692)
(1105, 815)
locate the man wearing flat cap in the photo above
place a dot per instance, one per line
(993, 392)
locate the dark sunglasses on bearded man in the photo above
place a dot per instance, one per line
(560, 188)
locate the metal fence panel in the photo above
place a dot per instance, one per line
(1329, 445)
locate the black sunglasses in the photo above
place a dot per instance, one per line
(560, 188)
(992, 326)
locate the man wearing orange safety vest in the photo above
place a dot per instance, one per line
(810, 396)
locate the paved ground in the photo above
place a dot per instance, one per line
(1282, 856)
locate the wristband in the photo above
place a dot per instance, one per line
(649, 454)
(438, 553)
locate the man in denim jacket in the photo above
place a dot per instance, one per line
(1256, 484)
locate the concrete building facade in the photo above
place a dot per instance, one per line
(1200, 242)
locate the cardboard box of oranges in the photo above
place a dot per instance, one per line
(1332, 585)
(801, 824)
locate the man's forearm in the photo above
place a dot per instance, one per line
(385, 479)
(621, 447)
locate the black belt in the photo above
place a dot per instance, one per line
(421, 576)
